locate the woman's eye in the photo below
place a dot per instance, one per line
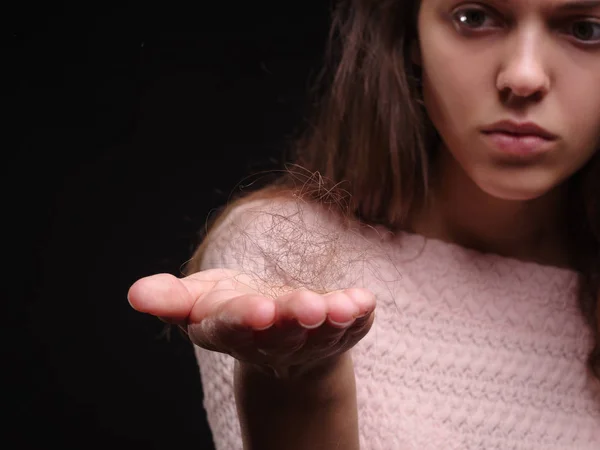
(586, 31)
(474, 18)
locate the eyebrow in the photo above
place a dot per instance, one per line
(576, 5)
(573, 5)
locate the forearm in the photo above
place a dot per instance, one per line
(313, 411)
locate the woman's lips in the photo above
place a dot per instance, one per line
(519, 145)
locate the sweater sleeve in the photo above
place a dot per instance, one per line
(281, 243)
(216, 371)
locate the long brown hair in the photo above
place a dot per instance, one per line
(370, 140)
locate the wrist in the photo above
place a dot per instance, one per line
(315, 408)
(329, 383)
(320, 369)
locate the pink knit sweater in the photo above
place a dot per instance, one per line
(468, 350)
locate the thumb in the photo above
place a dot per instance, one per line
(172, 299)
(162, 295)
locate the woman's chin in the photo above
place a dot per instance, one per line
(514, 191)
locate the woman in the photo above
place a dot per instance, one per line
(451, 176)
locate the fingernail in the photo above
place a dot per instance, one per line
(263, 328)
(363, 315)
(311, 327)
(341, 325)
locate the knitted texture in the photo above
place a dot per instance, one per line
(467, 351)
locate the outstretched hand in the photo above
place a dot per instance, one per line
(221, 310)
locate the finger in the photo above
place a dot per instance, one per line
(308, 308)
(172, 298)
(328, 339)
(324, 337)
(225, 321)
(161, 295)
(284, 337)
(363, 299)
(362, 324)
(250, 311)
(356, 332)
(204, 326)
(341, 309)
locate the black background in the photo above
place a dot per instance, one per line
(128, 123)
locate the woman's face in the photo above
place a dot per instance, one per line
(513, 88)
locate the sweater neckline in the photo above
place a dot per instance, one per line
(434, 247)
